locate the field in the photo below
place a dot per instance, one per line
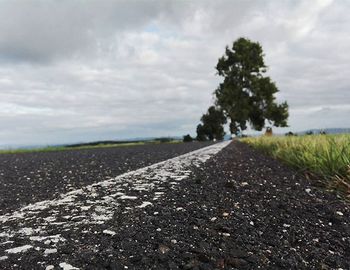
(84, 146)
(325, 157)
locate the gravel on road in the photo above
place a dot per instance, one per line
(220, 207)
(30, 177)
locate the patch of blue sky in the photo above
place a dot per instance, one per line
(161, 32)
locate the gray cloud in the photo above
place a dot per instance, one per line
(82, 70)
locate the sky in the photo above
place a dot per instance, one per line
(78, 71)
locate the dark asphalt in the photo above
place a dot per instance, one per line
(239, 210)
(242, 210)
(30, 177)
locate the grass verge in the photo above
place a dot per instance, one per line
(322, 156)
(66, 148)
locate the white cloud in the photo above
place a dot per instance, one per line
(83, 70)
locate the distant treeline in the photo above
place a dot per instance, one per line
(160, 140)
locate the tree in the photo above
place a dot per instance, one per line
(201, 133)
(212, 127)
(245, 95)
(187, 138)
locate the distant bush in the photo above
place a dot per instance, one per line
(187, 138)
(290, 134)
(164, 139)
(212, 125)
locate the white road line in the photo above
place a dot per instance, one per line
(96, 203)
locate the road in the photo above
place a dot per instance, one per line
(224, 206)
(31, 177)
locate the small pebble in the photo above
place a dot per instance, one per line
(163, 249)
(50, 251)
(109, 232)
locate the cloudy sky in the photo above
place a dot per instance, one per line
(73, 71)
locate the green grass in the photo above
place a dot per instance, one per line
(66, 148)
(323, 156)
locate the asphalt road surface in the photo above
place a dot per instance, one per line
(224, 206)
(32, 177)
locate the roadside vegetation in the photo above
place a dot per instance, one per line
(88, 146)
(324, 157)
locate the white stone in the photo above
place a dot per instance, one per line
(19, 249)
(109, 232)
(67, 266)
(50, 250)
(145, 204)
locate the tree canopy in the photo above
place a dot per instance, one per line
(187, 138)
(212, 125)
(246, 96)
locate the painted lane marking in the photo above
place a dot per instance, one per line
(97, 203)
